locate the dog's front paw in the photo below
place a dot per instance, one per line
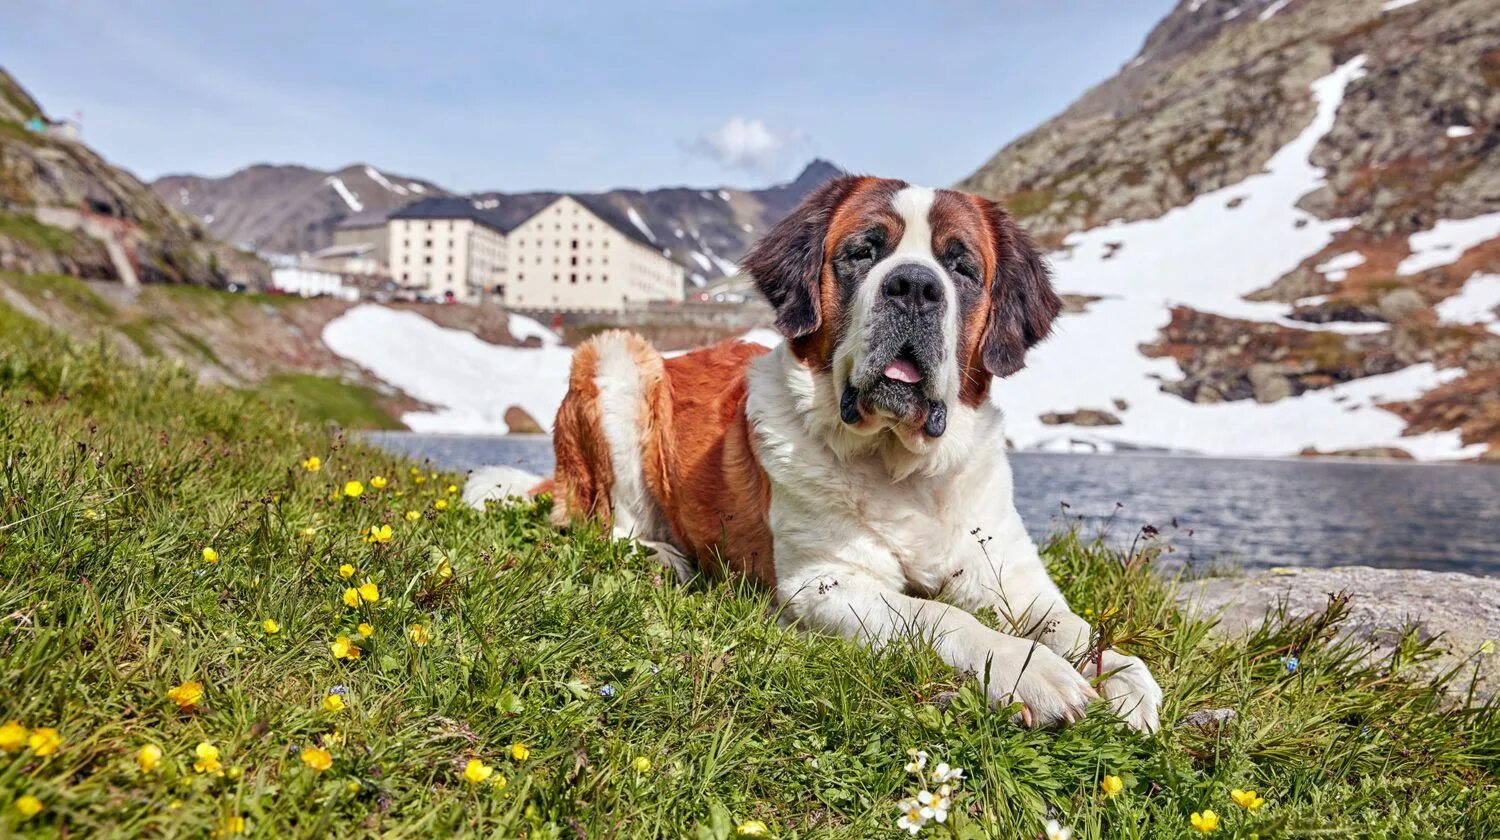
(1130, 690)
(1050, 690)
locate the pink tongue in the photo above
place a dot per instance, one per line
(902, 370)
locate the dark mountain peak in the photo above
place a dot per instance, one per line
(815, 173)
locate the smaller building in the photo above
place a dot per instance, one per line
(367, 228)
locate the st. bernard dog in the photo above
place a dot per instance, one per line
(858, 470)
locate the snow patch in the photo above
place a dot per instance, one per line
(522, 328)
(1476, 303)
(1447, 241)
(374, 175)
(702, 260)
(640, 224)
(1457, 131)
(1393, 5)
(416, 188)
(1272, 9)
(724, 194)
(344, 192)
(1337, 268)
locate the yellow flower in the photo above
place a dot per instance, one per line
(236, 772)
(351, 598)
(209, 555)
(149, 758)
(29, 806)
(353, 489)
(369, 592)
(380, 534)
(44, 740)
(312, 463)
(1487, 647)
(366, 630)
(270, 626)
(13, 736)
(344, 649)
(231, 825)
(499, 783)
(414, 472)
(309, 532)
(444, 570)
(453, 489)
(187, 696)
(752, 828)
(378, 482)
(519, 751)
(641, 764)
(1247, 799)
(207, 758)
(1111, 786)
(477, 771)
(419, 634)
(317, 759)
(418, 479)
(440, 504)
(333, 703)
(413, 516)
(1205, 822)
(346, 571)
(352, 787)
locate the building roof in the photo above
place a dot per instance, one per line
(367, 219)
(501, 212)
(505, 213)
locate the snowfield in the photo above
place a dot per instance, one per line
(1208, 257)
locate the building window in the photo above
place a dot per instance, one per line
(427, 243)
(604, 278)
(572, 278)
(405, 275)
(556, 278)
(575, 244)
(427, 260)
(573, 260)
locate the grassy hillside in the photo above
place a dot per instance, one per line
(518, 682)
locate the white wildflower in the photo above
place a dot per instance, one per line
(1055, 831)
(911, 820)
(943, 773)
(918, 761)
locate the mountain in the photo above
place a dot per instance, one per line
(288, 208)
(294, 208)
(65, 210)
(1280, 227)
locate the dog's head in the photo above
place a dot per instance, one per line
(909, 298)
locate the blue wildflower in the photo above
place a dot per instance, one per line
(607, 691)
(1291, 663)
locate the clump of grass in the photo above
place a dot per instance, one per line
(604, 700)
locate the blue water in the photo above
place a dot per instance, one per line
(1210, 511)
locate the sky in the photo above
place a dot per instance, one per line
(566, 95)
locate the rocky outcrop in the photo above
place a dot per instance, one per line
(1217, 88)
(65, 210)
(1460, 611)
(1081, 417)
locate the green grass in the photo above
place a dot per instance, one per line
(27, 230)
(325, 399)
(113, 478)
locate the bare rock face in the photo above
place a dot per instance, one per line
(1463, 610)
(1081, 417)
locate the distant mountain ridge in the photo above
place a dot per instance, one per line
(290, 208)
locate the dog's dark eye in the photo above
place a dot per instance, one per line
(860, 251)
(958, 260)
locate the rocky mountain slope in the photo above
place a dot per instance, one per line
(1283, 218)
(289, 208)
(65, 210)
(293, 208)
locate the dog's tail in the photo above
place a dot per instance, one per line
(613, 437)
(501, 483)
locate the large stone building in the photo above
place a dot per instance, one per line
(563, 253)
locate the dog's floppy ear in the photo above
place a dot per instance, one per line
(787, 263)
(1022, 301)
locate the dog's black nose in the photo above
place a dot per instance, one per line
(913, 287)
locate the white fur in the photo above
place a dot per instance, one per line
(498, 483)
(622, 407)
(859, 522)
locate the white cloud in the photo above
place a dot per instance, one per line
(743, 143)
